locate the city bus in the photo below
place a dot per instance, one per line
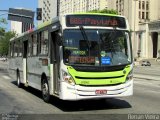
(75, 57)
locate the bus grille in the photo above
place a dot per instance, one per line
(99, 77)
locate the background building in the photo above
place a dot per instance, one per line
(49, 9)
(20, 24)
(71, 6)
(20, 27)
(141, 14)
(16, 26)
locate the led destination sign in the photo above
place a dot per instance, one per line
(95, 20)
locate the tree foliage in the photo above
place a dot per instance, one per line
(4, 42)
(105, 11)
(4, 37)
(3, 22)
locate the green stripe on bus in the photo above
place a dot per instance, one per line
(108, 78)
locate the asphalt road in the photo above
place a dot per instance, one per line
(14, 100)
(148, 70)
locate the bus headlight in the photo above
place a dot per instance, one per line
(129, 76)
(67, 78)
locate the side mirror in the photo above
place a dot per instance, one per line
(59, 38)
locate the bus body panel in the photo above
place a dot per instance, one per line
(16, 63)
(24, 71)
(51, 83)
(36, 66)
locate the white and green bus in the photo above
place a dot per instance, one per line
(75, 57)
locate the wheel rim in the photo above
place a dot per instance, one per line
(45, 90)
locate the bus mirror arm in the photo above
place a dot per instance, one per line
(54, 61)
(59, 39)
(59, 42)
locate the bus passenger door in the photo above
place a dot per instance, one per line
(25, 47)
(55, 60)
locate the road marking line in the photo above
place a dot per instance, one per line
(6, 77)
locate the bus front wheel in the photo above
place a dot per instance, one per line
(45, 90)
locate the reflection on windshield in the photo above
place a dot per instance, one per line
(107, 47)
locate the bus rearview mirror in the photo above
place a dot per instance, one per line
(59, 39)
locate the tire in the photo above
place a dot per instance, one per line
(18, 80)
(45, 90)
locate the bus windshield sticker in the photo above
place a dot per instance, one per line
(105, 60)
(78, 52)
(71, 48)
(103, 53)
(96, 61)
(78, 59)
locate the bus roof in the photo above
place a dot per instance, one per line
(36, 28)
(93, 13)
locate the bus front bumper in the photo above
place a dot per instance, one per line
(77, 92)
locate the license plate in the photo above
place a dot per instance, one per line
(101, 92)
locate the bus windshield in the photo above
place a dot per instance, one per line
(98, 47)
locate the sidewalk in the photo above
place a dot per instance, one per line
(147, 77)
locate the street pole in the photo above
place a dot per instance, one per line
(135, 26)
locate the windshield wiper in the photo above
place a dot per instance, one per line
(108, 42)
(85, 37)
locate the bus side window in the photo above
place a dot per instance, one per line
(43, 43)
(39, 42)
(15, 49)
(20, 48)
(34, 44)
(29, 46)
